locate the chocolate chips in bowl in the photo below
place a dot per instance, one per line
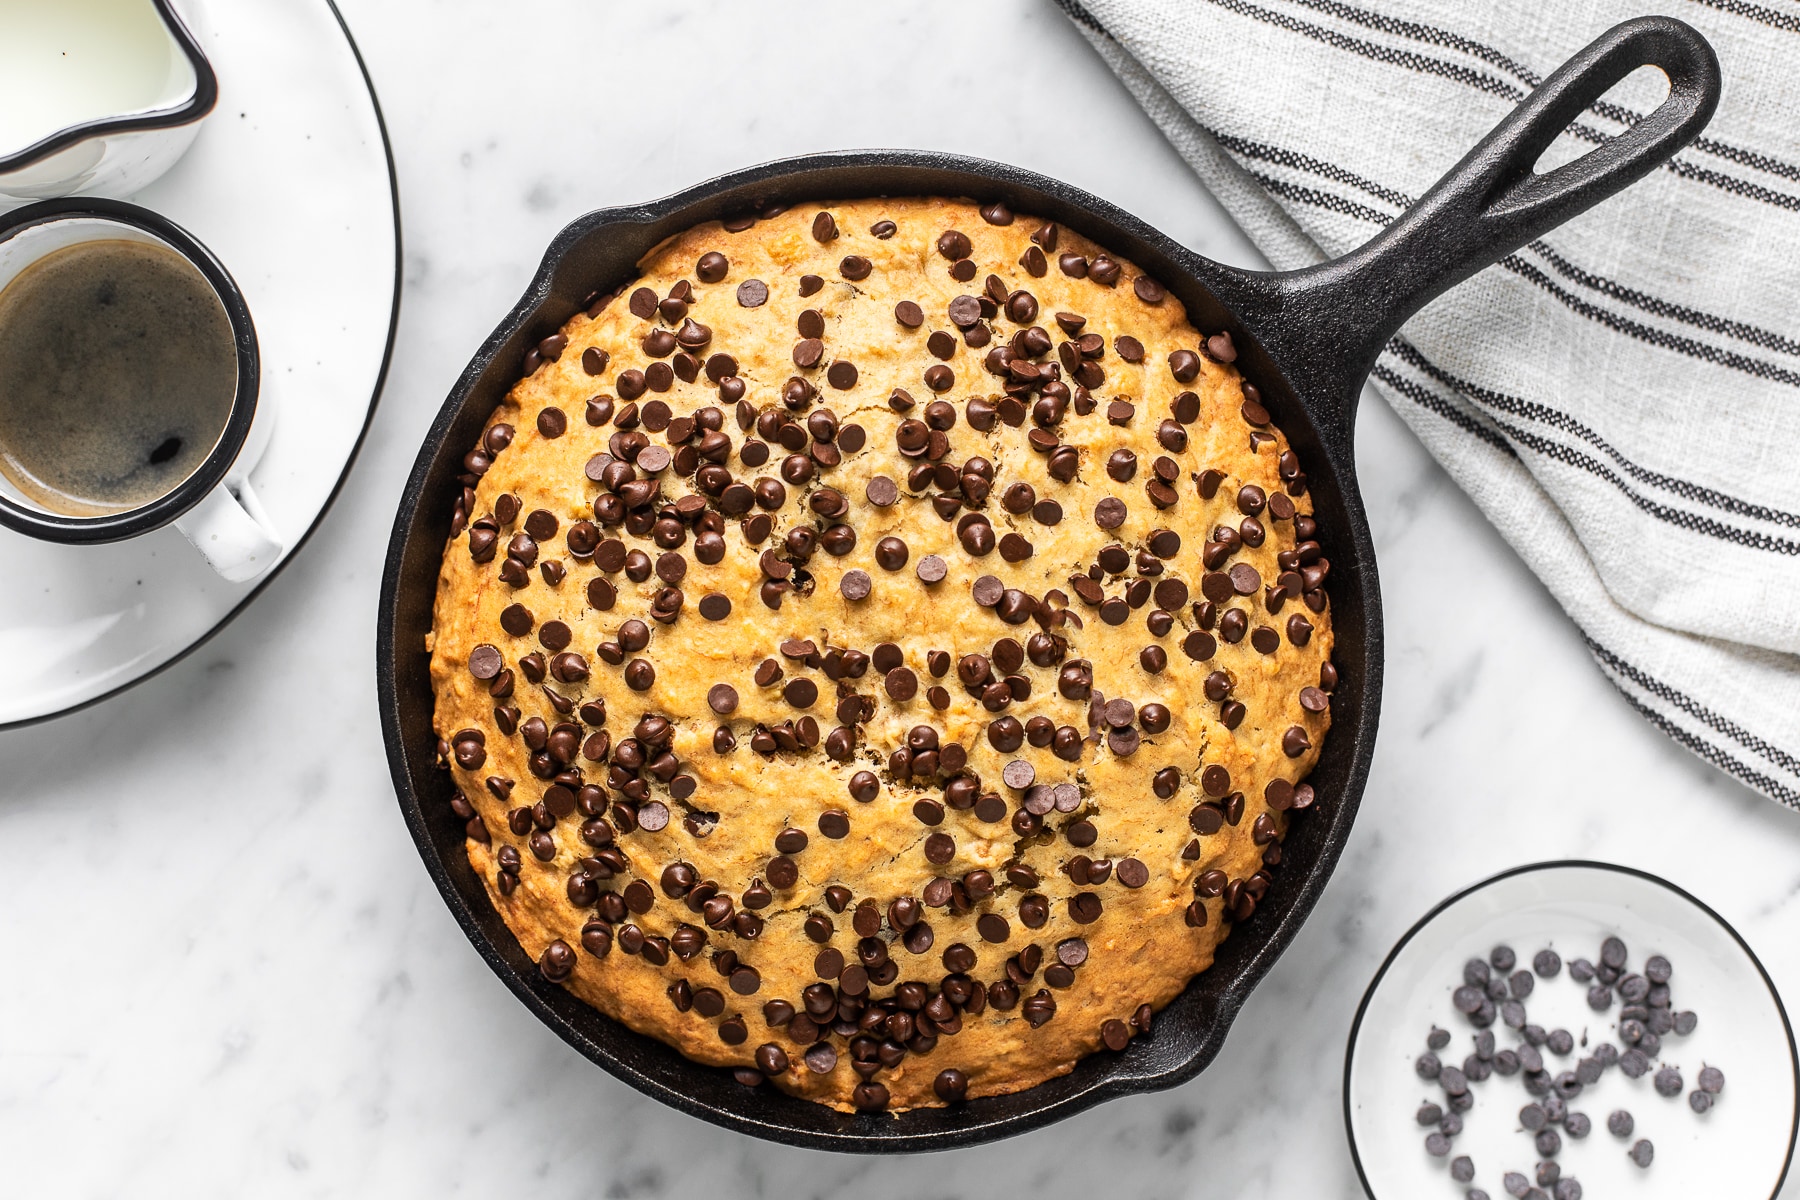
(867, 626)
(1572, 1029)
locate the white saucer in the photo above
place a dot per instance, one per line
(291, 184)
(1740, 1149)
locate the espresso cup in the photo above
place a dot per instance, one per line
(93, 449)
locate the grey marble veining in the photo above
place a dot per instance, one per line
(227, 973)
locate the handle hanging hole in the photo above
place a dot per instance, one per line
(1636, 96)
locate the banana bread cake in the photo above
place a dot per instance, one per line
(879, 650)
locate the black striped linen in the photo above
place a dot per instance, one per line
(1621, 398)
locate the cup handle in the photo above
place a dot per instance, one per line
(232, 532)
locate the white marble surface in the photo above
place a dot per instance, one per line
(227, 973)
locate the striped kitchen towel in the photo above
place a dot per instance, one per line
(1622, 397)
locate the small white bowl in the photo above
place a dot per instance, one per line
(97, 97)
(1740, 1149)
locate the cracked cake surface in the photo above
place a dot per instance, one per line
(879, 650)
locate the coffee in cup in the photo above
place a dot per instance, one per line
(131, 390)
(118, 371)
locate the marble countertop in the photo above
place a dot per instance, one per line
(231, 975)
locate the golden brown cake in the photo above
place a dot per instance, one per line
(879, 650)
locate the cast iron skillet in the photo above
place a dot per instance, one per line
(1308, 338)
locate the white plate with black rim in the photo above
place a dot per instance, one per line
(1741, 1147)
(291, 184)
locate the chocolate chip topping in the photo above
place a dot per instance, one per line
(671, 519)
(485, 662)
(752, 293)
(954, 244)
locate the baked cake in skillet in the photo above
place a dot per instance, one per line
(880, 649)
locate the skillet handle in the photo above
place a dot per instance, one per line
(1328, 323)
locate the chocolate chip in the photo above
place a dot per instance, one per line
(712, 267)
(1018, 774)
(642, 303)
(783, 872)
(932, 569)
(901, 684)
(557, 962)
(1085, 908)
(996, 214)
(1199, 645)
(485, 662)
(977, 538)
(1022, 308)
(752, 293)
(1034, 911)
(856, 585)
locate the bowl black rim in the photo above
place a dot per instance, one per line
(194, 108)
(1555, 865)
